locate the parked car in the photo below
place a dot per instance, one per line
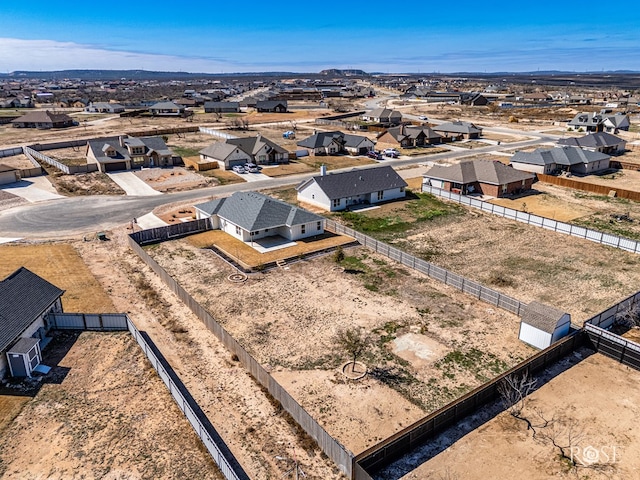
(290, 134)
(238, 169)
(375, 155)
(251, 168)
(391, 152)
(422, 117)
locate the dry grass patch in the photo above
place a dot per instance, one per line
(335, 162)
(291, 168)
(10, 407)
(60, 264)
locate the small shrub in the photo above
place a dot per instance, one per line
(338, 255)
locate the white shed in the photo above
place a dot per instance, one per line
(542, 325)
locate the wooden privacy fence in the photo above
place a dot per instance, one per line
(606, 318)
(437, 273)
(215, 445)
(538, 221)
(614, 346)
(589, 187)
(161, 234)
(163, 131)
(406, 440)
(340, 455)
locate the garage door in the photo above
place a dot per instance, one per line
(114, 167)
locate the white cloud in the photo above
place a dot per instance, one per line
(43, 55)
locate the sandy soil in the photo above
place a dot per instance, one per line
(605, 419)
(172, 179)
(110, 417)
(469, 340)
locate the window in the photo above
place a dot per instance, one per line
(303, 229)
(319, 225)
(504, 188)
(262, 158)
(238, 231)
(380, 195)
(336, 202)
(401, 189)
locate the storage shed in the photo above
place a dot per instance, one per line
(24, 356)
(542, 325)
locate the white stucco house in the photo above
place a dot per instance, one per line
(250, 216)
(542, 325)
(338, 191)
(25, 300)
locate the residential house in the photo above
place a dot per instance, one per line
(552, 160)
(542, 325)
(104, 107)
(383, 115)
(338, 191)
(458, 130)
(16, 102)
(238, 151)
(597, 142)
(250, 216)
(597, 122)
(272, 106)
(485, 177)
(336, 143)
(25, 301)
(221, 107)
(407, 136)
(473, 99)
(124, 153)
(43, 120)
(167, 109)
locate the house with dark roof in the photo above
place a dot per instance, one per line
(336, 143)
(602, 142)
(458, 130)
(25, 301)
(339, 191)
(407, 136)
(542, 325)
(167, 109)
(221, 107)
(43, 120)
(239, 151)
(383, 115)
(597, 122)
(250, 216)
(272, 106)
(124, 153)
(485, 177)
(560, 159)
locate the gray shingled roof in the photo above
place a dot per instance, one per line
(100, 146)
(219, 150)
(564, 155)
(254, 211)
(23, 297)
(542, 317)
(357, 182)
(483, 171)
(593, 140)
(410, 131)
(165, 106)
(458, 127)
(252, 145)
(321, 139)
(43, 117)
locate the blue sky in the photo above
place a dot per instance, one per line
(390, 37)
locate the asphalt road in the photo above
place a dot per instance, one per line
(86, 215)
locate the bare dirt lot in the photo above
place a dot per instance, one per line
(603, 420)
(522, 261)
(457, 342)
(173, 179)
(257, 431)
(108, 415)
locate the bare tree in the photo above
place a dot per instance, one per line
(629, 316)
(514, 390)
(565, 434)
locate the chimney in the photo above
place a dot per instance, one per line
(323, 170)
(121, 140)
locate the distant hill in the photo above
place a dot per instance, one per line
(335, 72)
(131, 75)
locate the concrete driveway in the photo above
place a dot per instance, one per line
(33, 189)
(132, 185)
(253, 177)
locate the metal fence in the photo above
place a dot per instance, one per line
(340, 455)
(161, 234)
(538, 221)
(614, 346)
(10, 152)
(606, 318)
(405, 441)
(88, 321)
(212, 441)
(437, 273)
